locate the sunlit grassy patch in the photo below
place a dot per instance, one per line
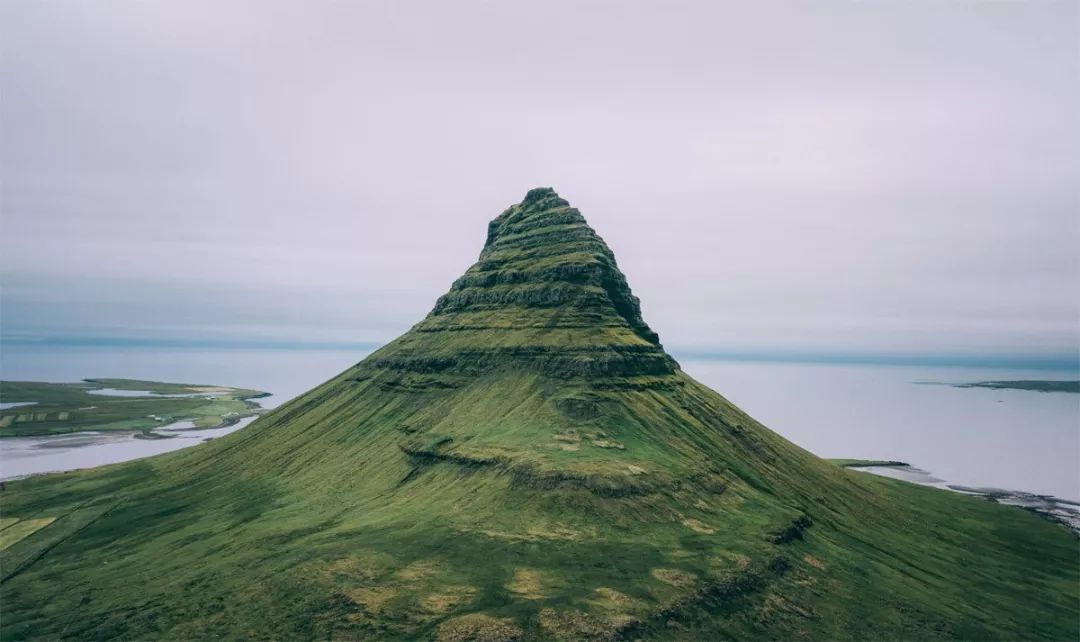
(22, 529)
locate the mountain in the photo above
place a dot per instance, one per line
(526, 463)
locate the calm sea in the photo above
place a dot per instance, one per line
(1010, 439)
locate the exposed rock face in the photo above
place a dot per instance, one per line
(546, 293)
(545, 226)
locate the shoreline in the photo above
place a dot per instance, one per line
(102, 448)
(1051, 508)
(143, 408)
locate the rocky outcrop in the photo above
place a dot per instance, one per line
(546, 294)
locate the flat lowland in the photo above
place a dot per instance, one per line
(526, 463)
(42, 408)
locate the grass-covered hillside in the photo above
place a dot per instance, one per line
(526, 463)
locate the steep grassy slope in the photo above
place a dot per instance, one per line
(525, 463)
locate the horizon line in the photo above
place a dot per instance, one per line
(1023, 361)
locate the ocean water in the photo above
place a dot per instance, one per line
(1017, 440)
(1011, 439)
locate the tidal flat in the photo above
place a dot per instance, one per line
(26, 456)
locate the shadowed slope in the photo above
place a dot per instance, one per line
(525, 463)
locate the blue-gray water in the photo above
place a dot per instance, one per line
(976, 437)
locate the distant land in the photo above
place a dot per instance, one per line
(867, 463)
(1039, 386)
(32, 408)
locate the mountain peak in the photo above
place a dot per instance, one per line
(540, 205)
(542, 194)
(546, 293)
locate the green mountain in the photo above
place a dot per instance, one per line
(525, 463)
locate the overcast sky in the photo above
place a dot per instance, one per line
(881, 176)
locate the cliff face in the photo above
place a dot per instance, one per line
(526, 463)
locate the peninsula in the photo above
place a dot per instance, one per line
(34, 408)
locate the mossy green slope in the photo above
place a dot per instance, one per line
(525, 463)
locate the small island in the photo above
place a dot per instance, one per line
(35, 408)
(869, 463)
(1038, 386)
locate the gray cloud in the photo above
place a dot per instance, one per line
(876, 176)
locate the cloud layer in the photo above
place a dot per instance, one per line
(880, 177)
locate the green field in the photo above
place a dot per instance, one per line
(72, 407)
(526, 463)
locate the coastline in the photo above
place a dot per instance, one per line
(25, 457)
(143, 407)
(1054, 509)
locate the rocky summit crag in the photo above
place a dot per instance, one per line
(526, 463)
(546, 295)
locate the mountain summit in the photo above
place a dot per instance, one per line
(526, 463)
(546, 294)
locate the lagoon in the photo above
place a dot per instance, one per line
(22, 456)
